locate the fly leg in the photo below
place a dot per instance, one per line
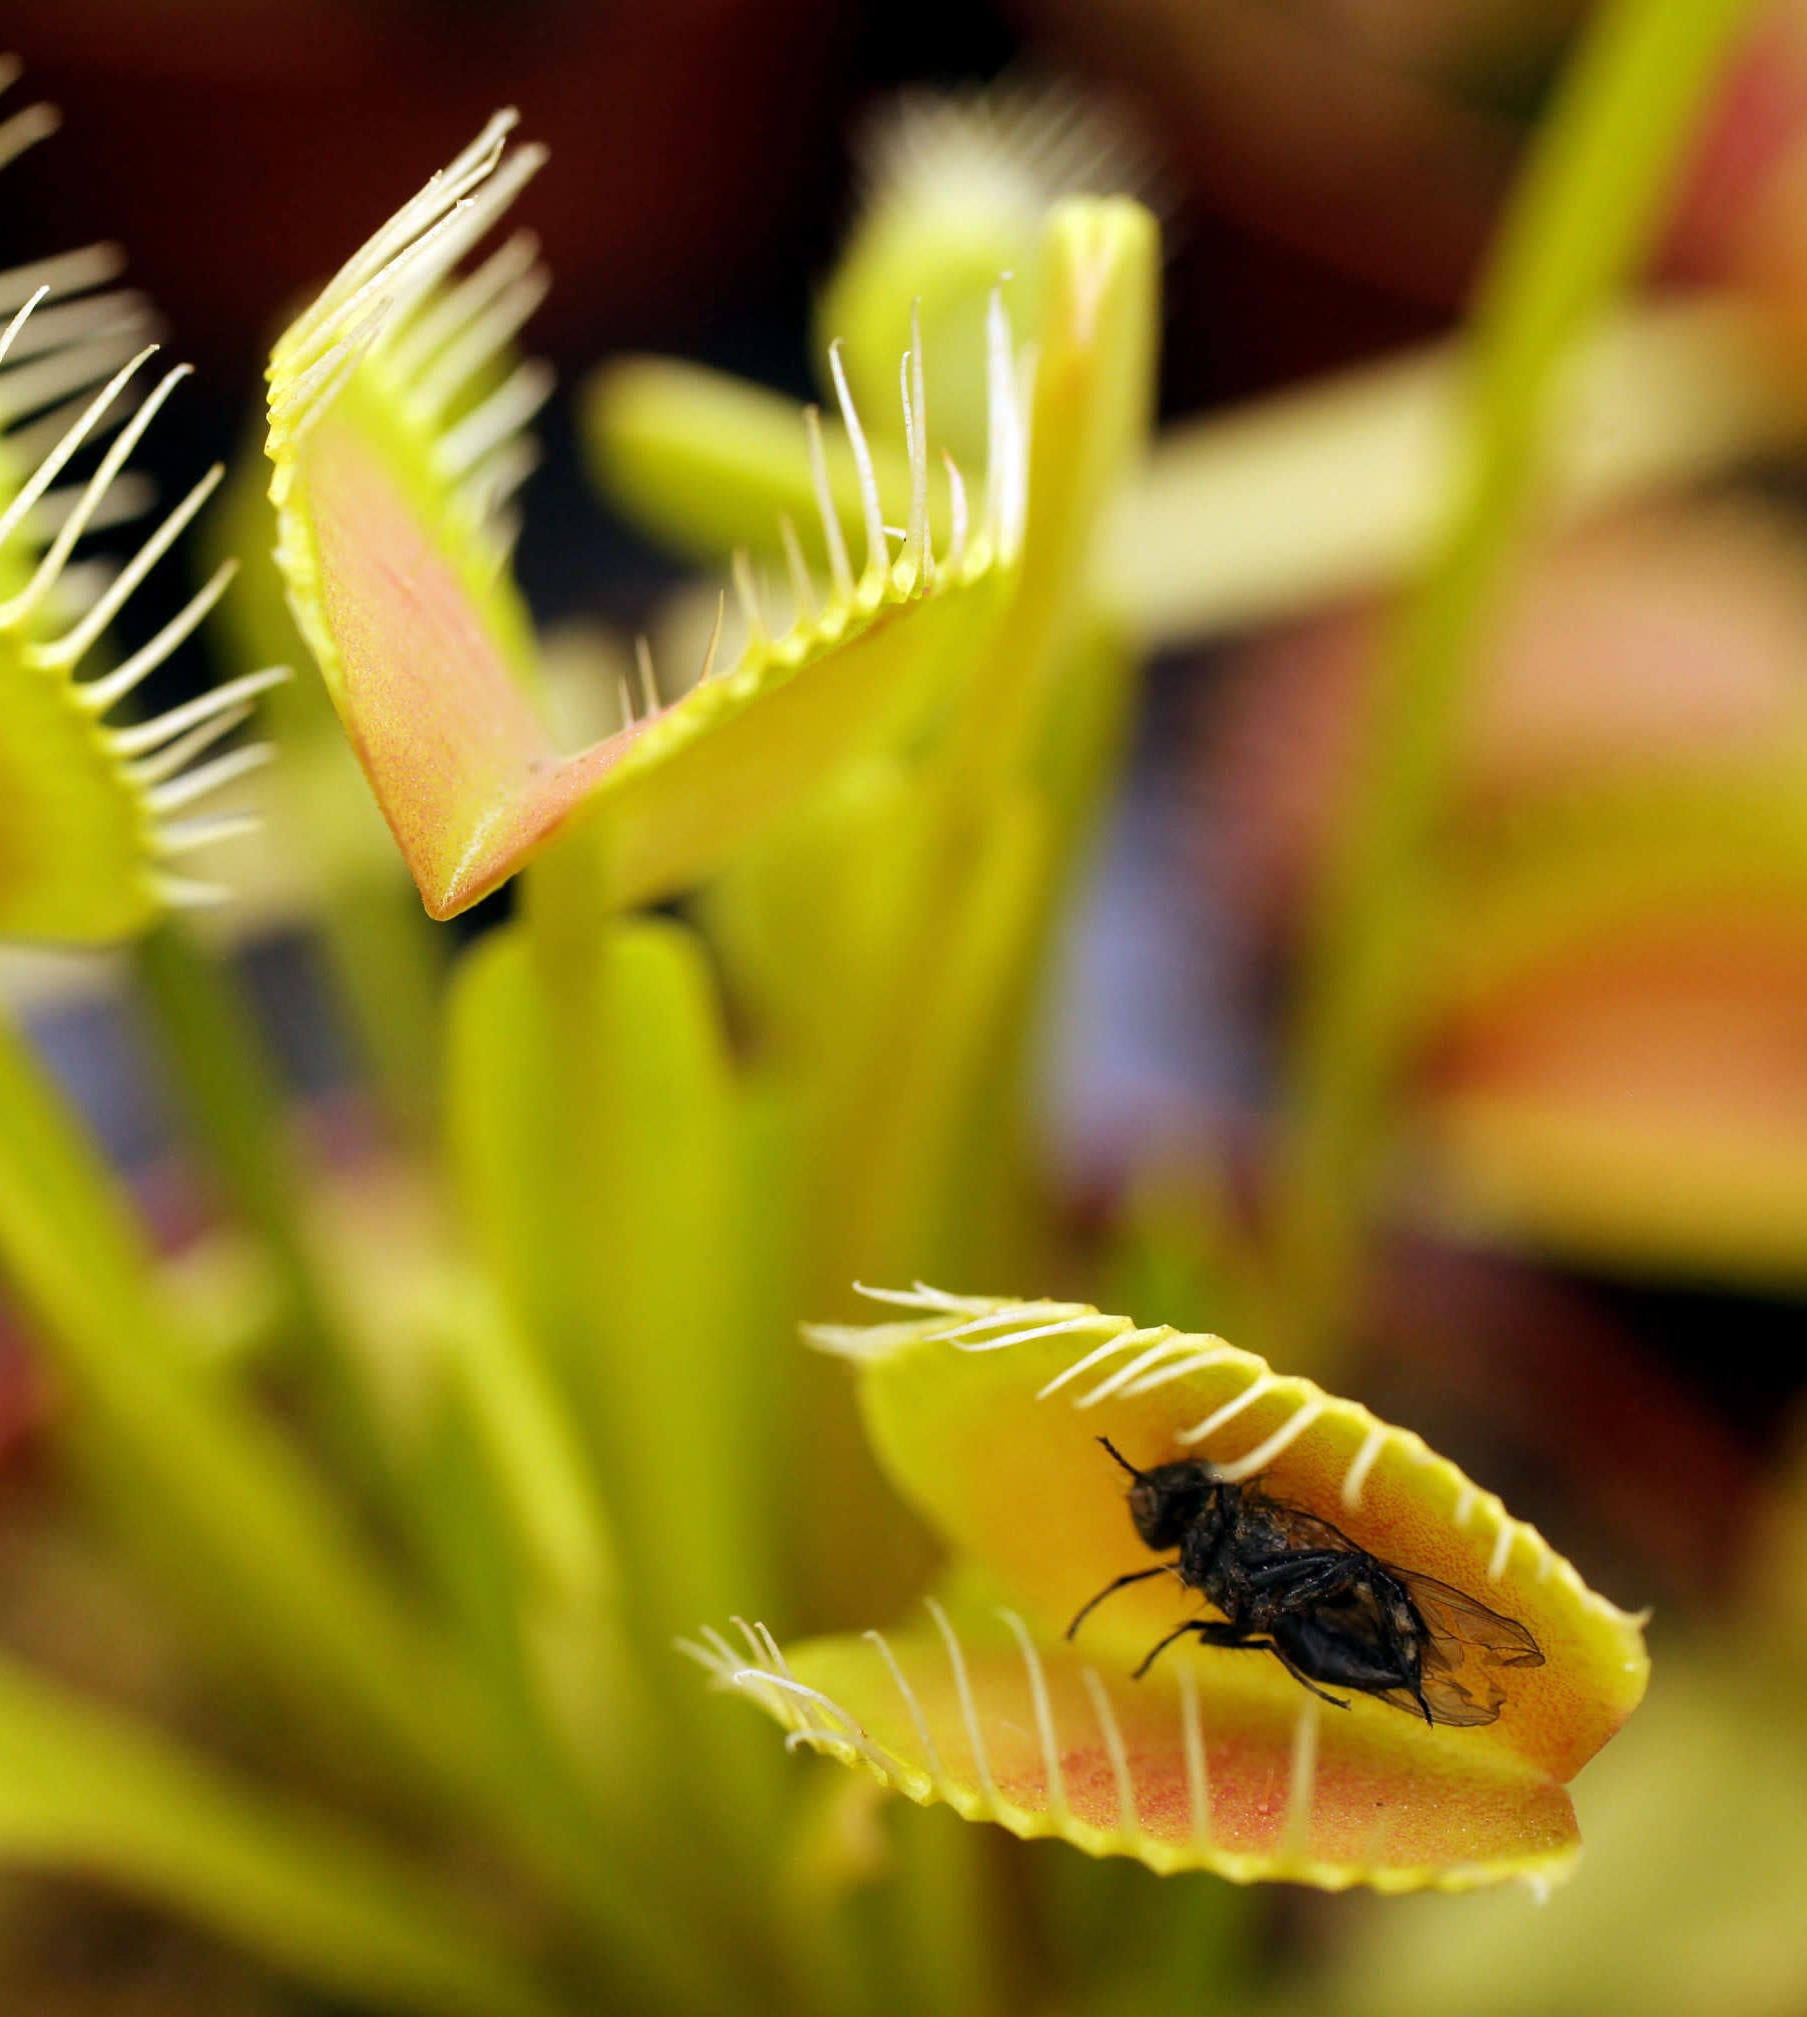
(1306, 1682)
(1208, 1632)
(1377, 1656)
(1299, 1578)
(1110, 1588)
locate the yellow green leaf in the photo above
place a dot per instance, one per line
(1299, 499)
(394, 557)
(86, 1792)
(709, 463)
(95, 816)
(1181, 1770)
(1636, 1104)
(958, 191)
(1608, 1065)
(1689, 1903)
(986, 1417)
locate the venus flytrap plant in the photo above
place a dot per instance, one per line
(623, 1020)
(956, 191)
(1661, 872)
(425, 657)
(956, 197)
(1543, 303)
(99, 816)
(986, 1415)
(600, 1138)
(217, 1497)
(668, 1136)
(996, 810)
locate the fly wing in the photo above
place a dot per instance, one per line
(1452, 1614)
(1296, 1528)
(1466, 1646)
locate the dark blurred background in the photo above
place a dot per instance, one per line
(1329, 170)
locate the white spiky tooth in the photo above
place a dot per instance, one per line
(184, 836)
(164, 745)
(963, 1694)
(331, 374)
(153, 770)
(1006, 477)
(69, 649)
(746, 593)
(839, 568)
(878, 554)
(48, 470)
(706, 1658)
(27, 389)
(451, 185)
(491, 482)
(69, 322)
(233, 698)
(931, 1755)
(477, 213)
(128, 497)
(65, 273)
(443, 189)
(513, 403)
(209, 776)
(649, 678)
(413, 347)
(82, 584)
(922, 1295)
(1019, 146)
(910, 441)
(29, 442)
(486, 337)
(715, 638)
(26, 310)
(803, 595)
(412, 253)
(181, 892)
(299, 392)
(87, 502)
(25, 129)
(370, 306)
(924, 543)
(916, 438)
(500, 537)
(102, 694)
(729, 1658)
(956, 512)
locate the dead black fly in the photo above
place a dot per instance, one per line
(1290, 1584)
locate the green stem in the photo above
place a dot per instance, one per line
(235, 1110)
(256, 1528)
(388, 960)
(271, 1551)
(602, 1299)
(1592, 195)
(85, 1791)
(1025, 761)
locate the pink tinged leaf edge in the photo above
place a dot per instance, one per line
(1179, 1775)
(464, 771)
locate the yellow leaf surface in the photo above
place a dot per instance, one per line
(986, 1416)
